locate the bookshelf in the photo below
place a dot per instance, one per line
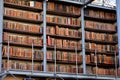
(39, 30)
(23, 29)
(100, 41)
(64, 32)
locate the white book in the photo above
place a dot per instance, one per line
(32, 3)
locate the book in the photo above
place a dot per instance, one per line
(22, 39)
(22, 14)
(63, 20)
(36, 4)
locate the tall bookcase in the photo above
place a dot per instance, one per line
(101, 41)
(48, 39)
(22, 35)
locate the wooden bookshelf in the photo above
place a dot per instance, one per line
(64, 37)
(23, 24)
(23, 7)
(63, 13)
(101, 42)
(102, 65)
(100, 19)
(101, 38)
(63, 49)
(22, 59)
(22, 19)
(22, 32)
(100, 30)
(63, 25)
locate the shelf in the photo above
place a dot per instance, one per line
(60, 13)
(101, 65)
(64, 25)
(70, 2)
(21, 58)
(100, 30)
(22, 32)
(102, 52)
(64, 37)
(63, 49)
(99, 19)
(101, 7)
(21, 44)
(64, 62)
(63, 75)
(23, 7)
(100, 42)
(22, 19)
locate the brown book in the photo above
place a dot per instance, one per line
(88, 59)
(92, 59)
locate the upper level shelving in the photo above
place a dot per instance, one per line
(23, 7)
(22, 19)
(100, 15)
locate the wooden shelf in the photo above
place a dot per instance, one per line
(22, 19)
(102, 65)
(64, 25)
(60, 13)
(22, 32)
(63, 62)
(62, 49)
(99, 19)
(100, 41)
(102, 52)
(64, 37)
(100, 30)
(21, 44)
(21, 58)
(23, 7)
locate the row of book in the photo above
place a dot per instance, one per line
(12, 25)
(63, 20)
(30, 3)
(100, 14)
(100, 59)
(22, 39)
(100, 36)
(62, 43)
(19, 52)
(21, 65)
(99, 25)
(101, 47)
(64, 56)
(59, 7)
(64, 68)
(100, 71)
(22, 14)
(62, 31)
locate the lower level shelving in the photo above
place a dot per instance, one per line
(60, 75)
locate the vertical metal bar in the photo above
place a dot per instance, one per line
(103, 3)
(32, 56)
(83, 40)
(44, 35)
(118, 25)
(1, 30)
(55, 62)
(96, 62)
(76, 63)
(115, 66)
(8, 54)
